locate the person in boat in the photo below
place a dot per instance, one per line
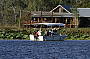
(37, 34)
(54, 31)
(46, 33)
(50, 32)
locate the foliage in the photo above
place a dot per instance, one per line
(14, 34)
(10, 9)
(77, 34)
(23, 34)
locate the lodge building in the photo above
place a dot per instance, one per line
(61, 15)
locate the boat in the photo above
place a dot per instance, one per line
(53, 37)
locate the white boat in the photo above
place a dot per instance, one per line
(32, 38)
(54, 37)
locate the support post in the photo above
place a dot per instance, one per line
(20, 20)
(55, 20)
(38, 19)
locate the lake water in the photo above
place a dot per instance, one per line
(22, 49)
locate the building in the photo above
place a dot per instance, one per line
(84, 19)
(57, 15)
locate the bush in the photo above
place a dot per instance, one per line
(77, 33)
(14, 34)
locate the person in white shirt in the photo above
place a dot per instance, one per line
(39, 33)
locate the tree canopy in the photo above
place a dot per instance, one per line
(10, 9)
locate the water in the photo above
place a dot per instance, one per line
(25, 49)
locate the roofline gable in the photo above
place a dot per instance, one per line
(61, 7)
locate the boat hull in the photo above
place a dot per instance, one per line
(55, 38)
(48, 38)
